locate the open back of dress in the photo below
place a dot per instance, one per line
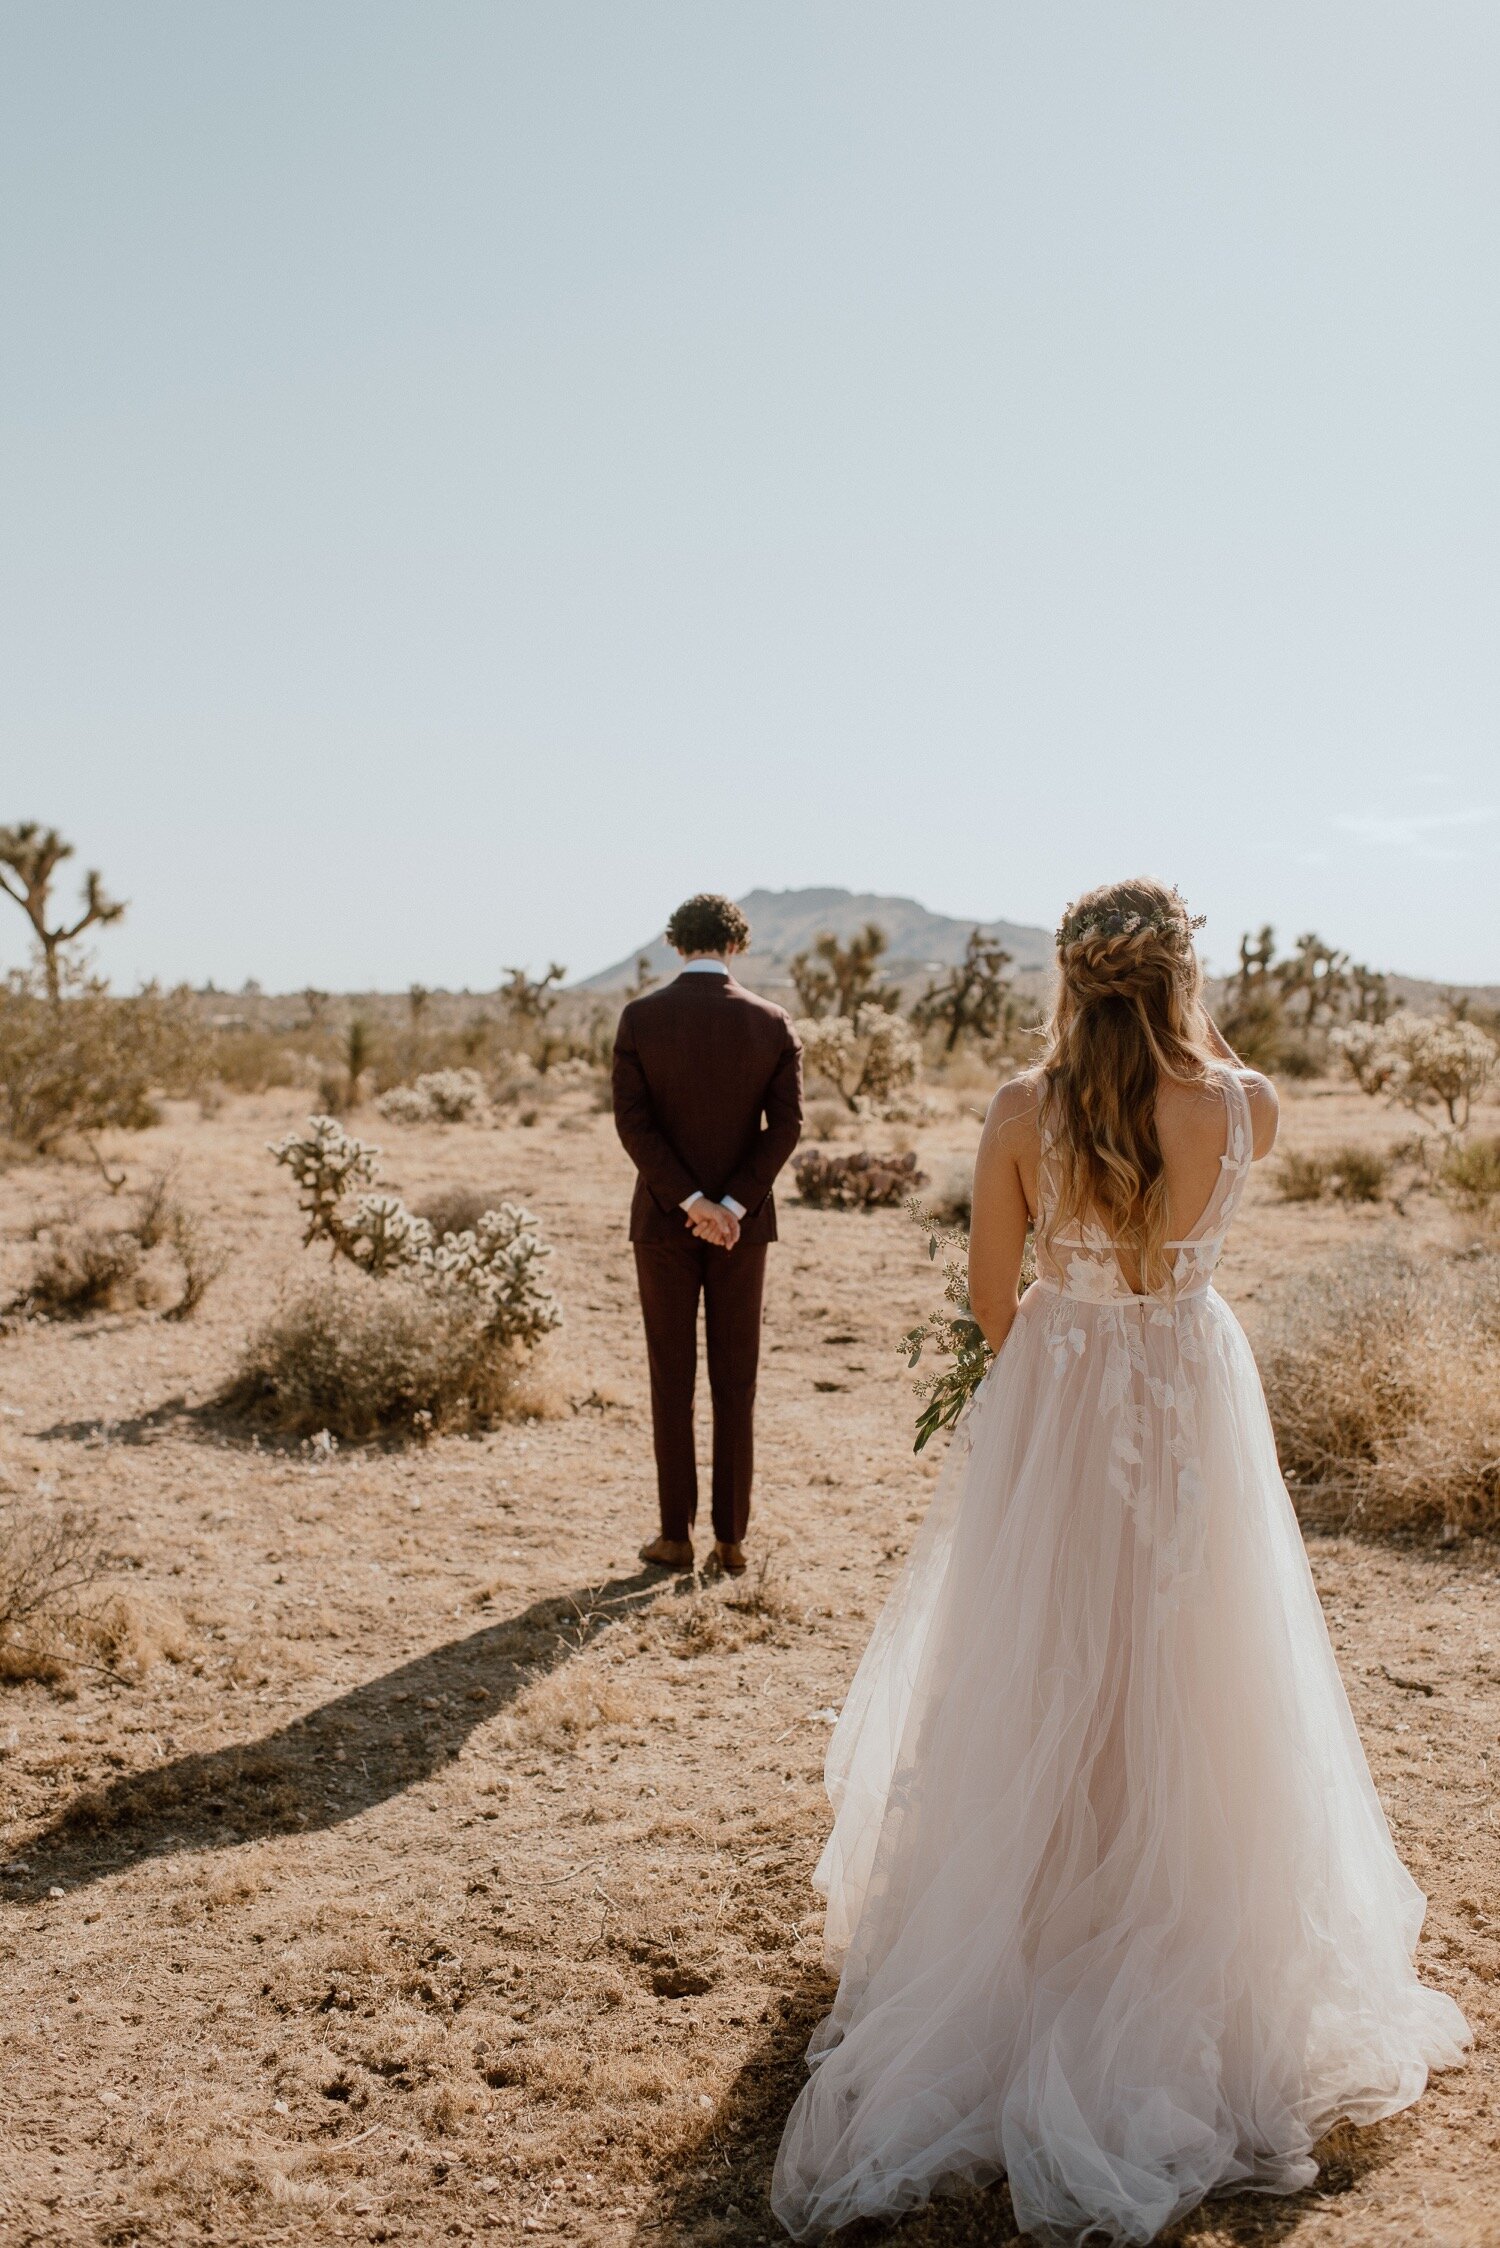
(1118, 1912)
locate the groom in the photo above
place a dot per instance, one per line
(708, 1103)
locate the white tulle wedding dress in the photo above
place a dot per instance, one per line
(1118, 1913)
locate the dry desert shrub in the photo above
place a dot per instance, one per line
(949, 1199)
(84, 1267)
(54, 1616)
(857, 1181)
(244, 1058)
(363, 1359)
(130, 1632)
(1383, 1379)
(458, 1209)
(49, 1558)
(1357, 1173)
(88, 1061)
(1299, 1178)
(1351, 1173)
(825, 1120)
(1471, 1174)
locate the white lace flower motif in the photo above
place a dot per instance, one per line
(1061, 1341)
(1091, 1280)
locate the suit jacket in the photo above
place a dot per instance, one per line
(708, 1095)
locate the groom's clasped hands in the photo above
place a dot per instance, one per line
(710, 1221)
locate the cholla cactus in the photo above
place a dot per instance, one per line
(442, 1096)
(500, 1260)
(1425, 1062)
(866, 1059)
(497, 1263)
(381, 1235)
(1366, 1053)
(327, 1164)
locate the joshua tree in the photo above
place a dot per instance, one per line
(970, 999)
(1317, 974)
(839, 979)
(356, 1056)
(1255, 963)
(532, 999)
(29, 857)
(1370, 994)
(643, 978)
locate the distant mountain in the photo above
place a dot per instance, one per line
(785, 922)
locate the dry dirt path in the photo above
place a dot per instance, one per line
(453, 1884)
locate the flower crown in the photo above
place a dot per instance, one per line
(1172, 920)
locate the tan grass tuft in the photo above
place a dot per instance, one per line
(1383, 1379)
(555, 1711)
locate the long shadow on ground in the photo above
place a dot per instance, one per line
(331, 1764)
(718, 2187)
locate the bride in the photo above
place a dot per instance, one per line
(1118, 1913)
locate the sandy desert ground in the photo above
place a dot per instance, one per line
(446, 1878)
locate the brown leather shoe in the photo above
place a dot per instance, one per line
(668, 1553)
(730, 1558)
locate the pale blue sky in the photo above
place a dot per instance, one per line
(474, 473)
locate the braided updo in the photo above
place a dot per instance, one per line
(1128, 1013)
(1126, 939)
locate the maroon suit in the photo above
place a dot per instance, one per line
(708, 1098)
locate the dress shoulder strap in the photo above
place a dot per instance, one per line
(1239, 1138)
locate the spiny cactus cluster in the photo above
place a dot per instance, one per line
(327, 1163)
(497, 1262)
(442, 1096)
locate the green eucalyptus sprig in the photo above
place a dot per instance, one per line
(951, 1333)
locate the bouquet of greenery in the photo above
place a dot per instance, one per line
(952, 1332)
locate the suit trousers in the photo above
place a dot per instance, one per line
(672, 1275)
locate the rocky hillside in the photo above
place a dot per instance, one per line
(785, 922)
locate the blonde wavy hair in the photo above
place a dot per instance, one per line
(1129, 1012)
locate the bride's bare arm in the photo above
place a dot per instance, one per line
(997, 1233)
(1265, 1108)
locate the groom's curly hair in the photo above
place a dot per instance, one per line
(708, 923)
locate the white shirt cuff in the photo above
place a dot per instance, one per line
(735, 1209)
